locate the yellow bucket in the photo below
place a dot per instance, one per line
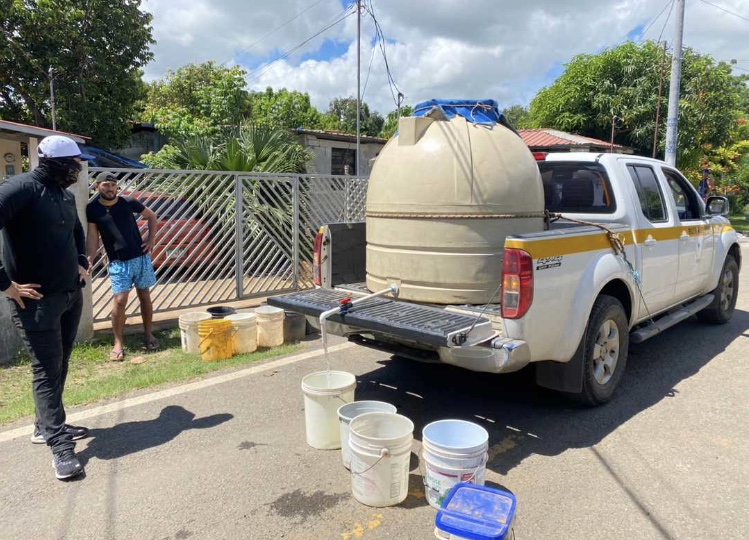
(215, 339)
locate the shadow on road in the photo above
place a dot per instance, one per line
(523, 419)
(132, 437)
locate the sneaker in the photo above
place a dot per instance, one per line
(77, 433)
(66, 465)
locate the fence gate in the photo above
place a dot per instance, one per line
(227, 236)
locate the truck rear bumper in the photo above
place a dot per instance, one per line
(503, 355)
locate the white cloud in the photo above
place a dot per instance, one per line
(499, 49)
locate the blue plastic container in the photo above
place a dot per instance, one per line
(474, 512)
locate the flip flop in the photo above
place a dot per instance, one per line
(117, 356)
(152, 344)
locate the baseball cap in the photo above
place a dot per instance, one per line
(58, 146)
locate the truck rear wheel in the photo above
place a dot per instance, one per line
(721, 309)
(605, 349)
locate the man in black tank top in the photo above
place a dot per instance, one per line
(113, 217)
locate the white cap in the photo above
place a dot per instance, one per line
(58, 146)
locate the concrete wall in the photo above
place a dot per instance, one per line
(322, 154)
(10, 342)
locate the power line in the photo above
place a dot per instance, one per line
(254, 76)
(381, 37)
(242, 51)
(665, 23)
(725, 10)
(369, 69)
(669, 2)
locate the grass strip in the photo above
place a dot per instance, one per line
(92, 377)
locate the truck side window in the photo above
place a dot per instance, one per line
(686, 199)
(649, 192)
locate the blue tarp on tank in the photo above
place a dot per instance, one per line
(478, 111)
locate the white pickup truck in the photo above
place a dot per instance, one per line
(649, 255)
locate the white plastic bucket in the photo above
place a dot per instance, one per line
(380, 456)
(245, 332)
(348, 412)
(188, 330)
(324, 392)
(269, 326)
(452, 451)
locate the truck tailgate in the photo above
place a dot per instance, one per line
(413, 322)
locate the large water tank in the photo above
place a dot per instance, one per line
(443, 195)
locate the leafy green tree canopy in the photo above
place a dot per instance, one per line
(391, 121)
(341, 116)
(248, 147)
(517, 116)
(623, 81)
(197, 100)
(96, 49)
(288, 109)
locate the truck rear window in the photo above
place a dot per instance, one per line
(576, 187)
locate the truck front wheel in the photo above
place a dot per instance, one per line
(721, 309)
(605, 349)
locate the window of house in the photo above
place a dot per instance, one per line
(340, 158)
(649, 192)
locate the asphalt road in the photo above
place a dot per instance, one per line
(227, 458)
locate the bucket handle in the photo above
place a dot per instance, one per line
(384, 452)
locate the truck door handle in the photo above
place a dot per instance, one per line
(649, 241)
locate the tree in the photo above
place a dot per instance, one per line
(248, 148)
(288, 109)
(96, 49)
(197, 100)
(341, 116)
(517, 116)
(391, 122)
(623, 81)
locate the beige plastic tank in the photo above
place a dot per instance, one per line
(442, 197)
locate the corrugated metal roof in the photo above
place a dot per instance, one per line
(34, 131)
(550, 138)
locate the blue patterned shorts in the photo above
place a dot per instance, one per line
(136, 272)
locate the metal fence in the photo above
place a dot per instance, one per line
(227, 236)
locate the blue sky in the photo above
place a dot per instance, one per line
(499, 49)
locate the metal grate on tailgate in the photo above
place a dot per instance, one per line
(425, 324)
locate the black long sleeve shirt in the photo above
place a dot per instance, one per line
(43, 238)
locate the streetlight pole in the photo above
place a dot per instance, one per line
(358, 87)
(672, 124)
(52, 96)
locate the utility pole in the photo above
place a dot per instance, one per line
(658, 106)
(358, 87)
(672, 124)
(52, 96)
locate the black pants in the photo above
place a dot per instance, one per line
(48, 328)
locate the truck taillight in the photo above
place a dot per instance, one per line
(517, 283)
(316, 256)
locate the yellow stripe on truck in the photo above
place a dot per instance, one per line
(550, 247)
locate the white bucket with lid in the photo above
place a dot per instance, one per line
(380, 457)
(188, 330)
(452, 451)
(348, 412)
(245, 332)
(324, 392)
(269, 326)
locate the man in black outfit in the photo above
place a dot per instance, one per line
(43, 268)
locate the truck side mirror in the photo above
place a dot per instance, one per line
(717, 206)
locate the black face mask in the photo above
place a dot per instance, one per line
(62, 171)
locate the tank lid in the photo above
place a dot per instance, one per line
(477, 111)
